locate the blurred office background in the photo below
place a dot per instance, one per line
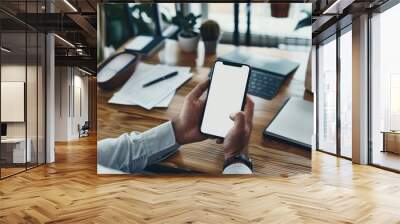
(285, 26)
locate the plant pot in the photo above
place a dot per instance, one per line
(188, 44)
(210, 47)
(280, 10)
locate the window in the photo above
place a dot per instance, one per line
(327, 96)
(124, 21)
(346, 94)
(385, 89)
(281, 32)
(167, 12)
(223, 14)
(333, 137)
(264, 28)
(394, 101)
(22, 75)
(13, 74)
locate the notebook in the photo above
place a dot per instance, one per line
(293, 123)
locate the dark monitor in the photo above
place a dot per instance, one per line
(3, 129)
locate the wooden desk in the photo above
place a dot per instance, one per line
(269, 156)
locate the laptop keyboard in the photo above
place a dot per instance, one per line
(264, 85)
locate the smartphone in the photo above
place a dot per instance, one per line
(226, 95)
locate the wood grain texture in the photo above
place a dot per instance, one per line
(270, 157)
(70, 191)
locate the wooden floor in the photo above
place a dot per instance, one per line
(69, 191)
(387, 159)
(10, 171)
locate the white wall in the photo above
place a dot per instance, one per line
(14, 72)
(69, 82)
(79, 112)
(82, 83)
(61, 103)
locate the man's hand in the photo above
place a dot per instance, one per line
(187, 123)
(237, 140)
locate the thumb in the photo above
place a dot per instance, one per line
(239, 120)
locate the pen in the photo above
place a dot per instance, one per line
(170, 75)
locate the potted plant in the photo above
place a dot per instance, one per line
(280, 10)
(188, 38)
(307, 21)
(210, 32)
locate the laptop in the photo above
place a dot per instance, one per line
(268, 73)
(145, 45)
(293, 123)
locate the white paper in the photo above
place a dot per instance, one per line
(157, 95)
(139, 43)
(163, 103)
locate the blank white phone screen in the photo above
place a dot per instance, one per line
(226, 93)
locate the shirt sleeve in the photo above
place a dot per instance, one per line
(237, 168)
(132, 152)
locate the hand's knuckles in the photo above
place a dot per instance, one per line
(242, 132)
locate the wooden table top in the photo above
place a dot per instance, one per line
(270, 157)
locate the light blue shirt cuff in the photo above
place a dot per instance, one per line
(134, 151)
(158, 138)
(237, 168)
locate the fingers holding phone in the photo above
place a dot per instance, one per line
(237, 140)
(200, 118)
(187, 124)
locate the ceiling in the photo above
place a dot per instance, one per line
(15, 42)
(72, 20)
(330, 15)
